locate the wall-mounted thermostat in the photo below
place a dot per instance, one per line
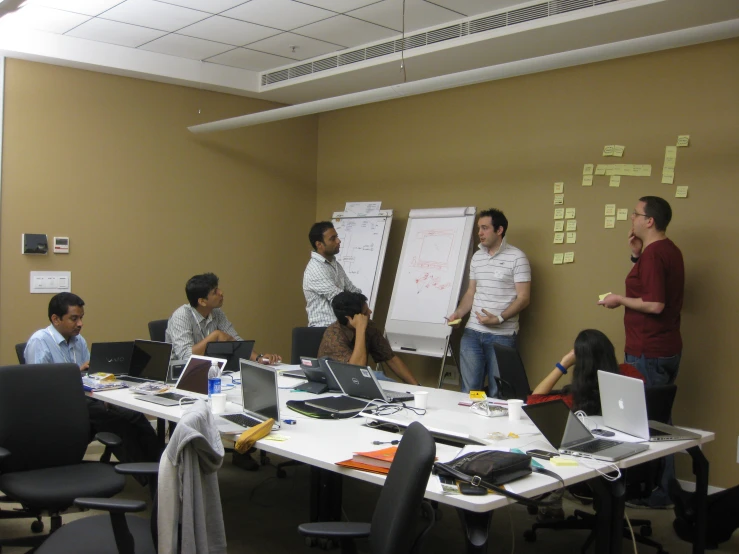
(34, 243)
(61, 245)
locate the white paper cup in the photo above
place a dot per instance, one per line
(421, 399)
(515, 407)
(218, 402)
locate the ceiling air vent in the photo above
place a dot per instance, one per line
(470, 27)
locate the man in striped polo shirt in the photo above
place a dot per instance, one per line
(499, 288)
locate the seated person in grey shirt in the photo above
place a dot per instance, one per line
(192, 326)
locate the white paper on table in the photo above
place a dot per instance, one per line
(363, 208)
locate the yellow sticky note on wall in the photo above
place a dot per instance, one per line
(615, 181)
(622, 214)
(558, 258)
(587, 169)
(610, 209)
(668, 179)
(610, 223)
(559, 199)
(559, 238)
(618, 150)
(683, 140)
(571, 238)
(681, 192)
(587, 180)
(559, 213)
(569, 257)
(600, 169)
(559, 188)
(572, 225)
(559, 226)
(669, 171)
(570, 213)
(608, 150)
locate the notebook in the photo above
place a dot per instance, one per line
(193, 381)
(319, 377)
(111, 357)
(260, 399)
(360, 382)
(149, 362)
(568, 435)
(624, 408)
(232, 351)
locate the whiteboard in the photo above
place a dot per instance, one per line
(363, 246)
(429, 279)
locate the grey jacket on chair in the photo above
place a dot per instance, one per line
(188, 486)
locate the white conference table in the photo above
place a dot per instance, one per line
(323, 442)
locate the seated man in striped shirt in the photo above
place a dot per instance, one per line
(193, 325)
(500, 288)
(324, 277)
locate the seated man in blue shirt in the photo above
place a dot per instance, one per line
(61, 343)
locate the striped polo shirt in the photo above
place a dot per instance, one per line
(496, 277)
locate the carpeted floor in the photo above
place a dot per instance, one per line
(262, 514)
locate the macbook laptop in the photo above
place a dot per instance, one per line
(231, 351)
(568, 435)
(360, 382)
(149, 362)
(111, 357)
(624, 408)
(260, 396)
(193, 382)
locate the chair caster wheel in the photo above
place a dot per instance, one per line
(532, 510)
(326, 544)
(645, 530)
(310, 542)
(281, 474)
(37, 526)
(529, 536)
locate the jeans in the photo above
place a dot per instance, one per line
(657, 371)
(477, 360)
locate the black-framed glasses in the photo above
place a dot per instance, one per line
(635, 214)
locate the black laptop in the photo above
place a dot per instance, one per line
(320, 378)
(232, 351)
(111, 357)
(150, 361)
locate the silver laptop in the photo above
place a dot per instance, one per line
(568, 435)
(260, 397)
(624, 406)
(193, 382)
(360, 382)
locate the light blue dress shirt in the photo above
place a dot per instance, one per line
(48, 346)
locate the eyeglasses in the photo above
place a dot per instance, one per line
(635, 214)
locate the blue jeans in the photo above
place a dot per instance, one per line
(657, 371)
(477, 360)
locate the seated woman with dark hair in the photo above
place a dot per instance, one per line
(593, 351)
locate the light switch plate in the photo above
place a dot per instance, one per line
(51, 282)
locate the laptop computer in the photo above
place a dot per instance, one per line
(624, 406)
(568, 435)
(319, 377)
(111, 357)
(231, 351)
(193, 382)
(360, 382)
(260, 396)
(149, 362)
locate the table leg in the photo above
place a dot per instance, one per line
(609, 499)
(325, 495)
(700, 470)
(476, 528)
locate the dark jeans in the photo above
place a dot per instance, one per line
(140, 441)
(477, 360)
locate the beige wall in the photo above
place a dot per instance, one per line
(505, 143)
(108, 161)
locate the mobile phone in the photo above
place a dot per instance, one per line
(543, 454)
(469, 489)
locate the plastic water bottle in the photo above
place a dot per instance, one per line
(214, 380)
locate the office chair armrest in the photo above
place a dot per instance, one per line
(4, 453)
(109, 439)
(139, 468)
(112, 505)
(335, 529)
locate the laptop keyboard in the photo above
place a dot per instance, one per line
(172, 396)
(596, 445)
(242, 419)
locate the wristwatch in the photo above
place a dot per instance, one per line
(500, 319)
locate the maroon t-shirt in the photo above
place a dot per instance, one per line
(658, 276)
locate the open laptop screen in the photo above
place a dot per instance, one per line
(231, 351)
(551, 419)
(150, 359)
(259, 389)
(194, 377)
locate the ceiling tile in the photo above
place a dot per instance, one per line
(280, 14)
(45, 19)
(230, 31)
(86, 7)
(340, 6)
(155, 15)
(210, 6)
(185, 47)
(282, 45)
(113, 32)
(346, 31)
(250, 59)
(418, 14)
(476, 7)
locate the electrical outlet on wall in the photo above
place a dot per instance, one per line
(451, 376)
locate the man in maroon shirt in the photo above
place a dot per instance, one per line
(654, 295)
(653, 300)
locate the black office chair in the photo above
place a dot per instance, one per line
(399, 506)
(44, 433)
(20, 351)
(513, 382)
(115, 533)
(306, 342)
(640, 481)
(158, 329)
